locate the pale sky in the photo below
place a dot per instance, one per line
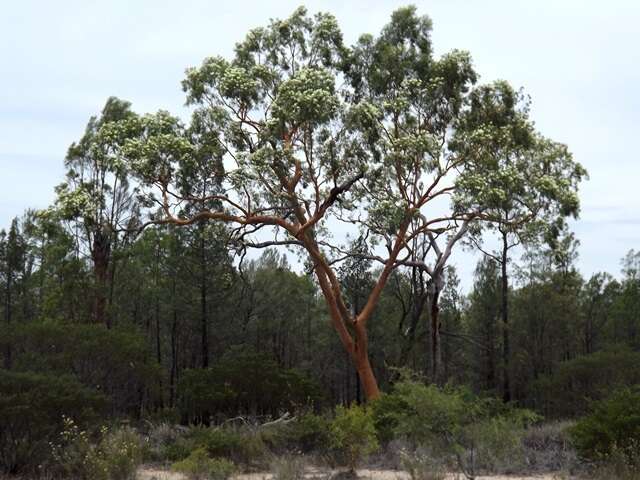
(579, 61)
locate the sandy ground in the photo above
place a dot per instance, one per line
(156, 474)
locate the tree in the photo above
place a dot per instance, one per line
(12, 264)
(96, 197)
(535, 189)
(302, 155)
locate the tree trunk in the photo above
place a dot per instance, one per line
(506, 351)
(204, 320)
(174, 357)
(100, 253)
(8, 360)
(363, 364)
(436, 352)
(419, 299)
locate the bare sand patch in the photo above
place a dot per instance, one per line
(365, 474)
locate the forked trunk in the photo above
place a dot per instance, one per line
(363, 366)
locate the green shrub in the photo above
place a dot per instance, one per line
(162, 439)
(242, 446)
(420, 466)
(244, 383)
(577, 382)
(354, 433)
(32, 407)
(304, 434)
(76, 456)
(115, 455)
(386, 411)
(288, 467)
(116, 362)
(612, 427)
(453, 424)
(121, 452)
(548, 447)
(200, 466)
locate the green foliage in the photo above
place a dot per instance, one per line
(353, 431)
(115, 362)
(289, 467)
(577, 382)
(250, 383)
(200, 466)
(452, 423)
(32, 407)
(611, 429)
(420, 466)
(114, 456)
(242, 446)
(307, 432)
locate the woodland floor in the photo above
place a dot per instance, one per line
(149, 473)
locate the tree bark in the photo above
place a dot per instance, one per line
(204, 320)
(506, 349)
(8, 360)
(100, 253)
(436, 351)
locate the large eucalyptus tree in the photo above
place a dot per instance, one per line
(96, 199)
(314, 135)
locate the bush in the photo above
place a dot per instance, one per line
(247, 383)
(199, 466)
(354, 433)
(242, 446)
(612, 427)
(452, 423)
(421, 466)
(577, 382)
(303, 434)
(114, 456)
(288, 468)
(548, 447)
(116, 362)
(121, 451)
(386, 411)
(32, 407)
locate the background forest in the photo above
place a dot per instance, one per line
(122, 307)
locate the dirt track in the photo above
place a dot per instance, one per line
(156, 474)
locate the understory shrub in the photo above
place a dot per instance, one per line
(304, 433)
(611, 430)
(548, 447)
(243, 446)
(246, 383)
(111, 455)
(200, 466)
(288, 467)
(456, 426)
(353, 432)
(32, 407)
(422, 466)
(587, 378)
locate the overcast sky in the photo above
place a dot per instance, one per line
(579, 61)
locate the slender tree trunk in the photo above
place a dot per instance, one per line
(506, 349)
(204, 320)
(8, 360)
(436, 351)
(101, 253)
(174, 359)
(112, 281)
(418, 302)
